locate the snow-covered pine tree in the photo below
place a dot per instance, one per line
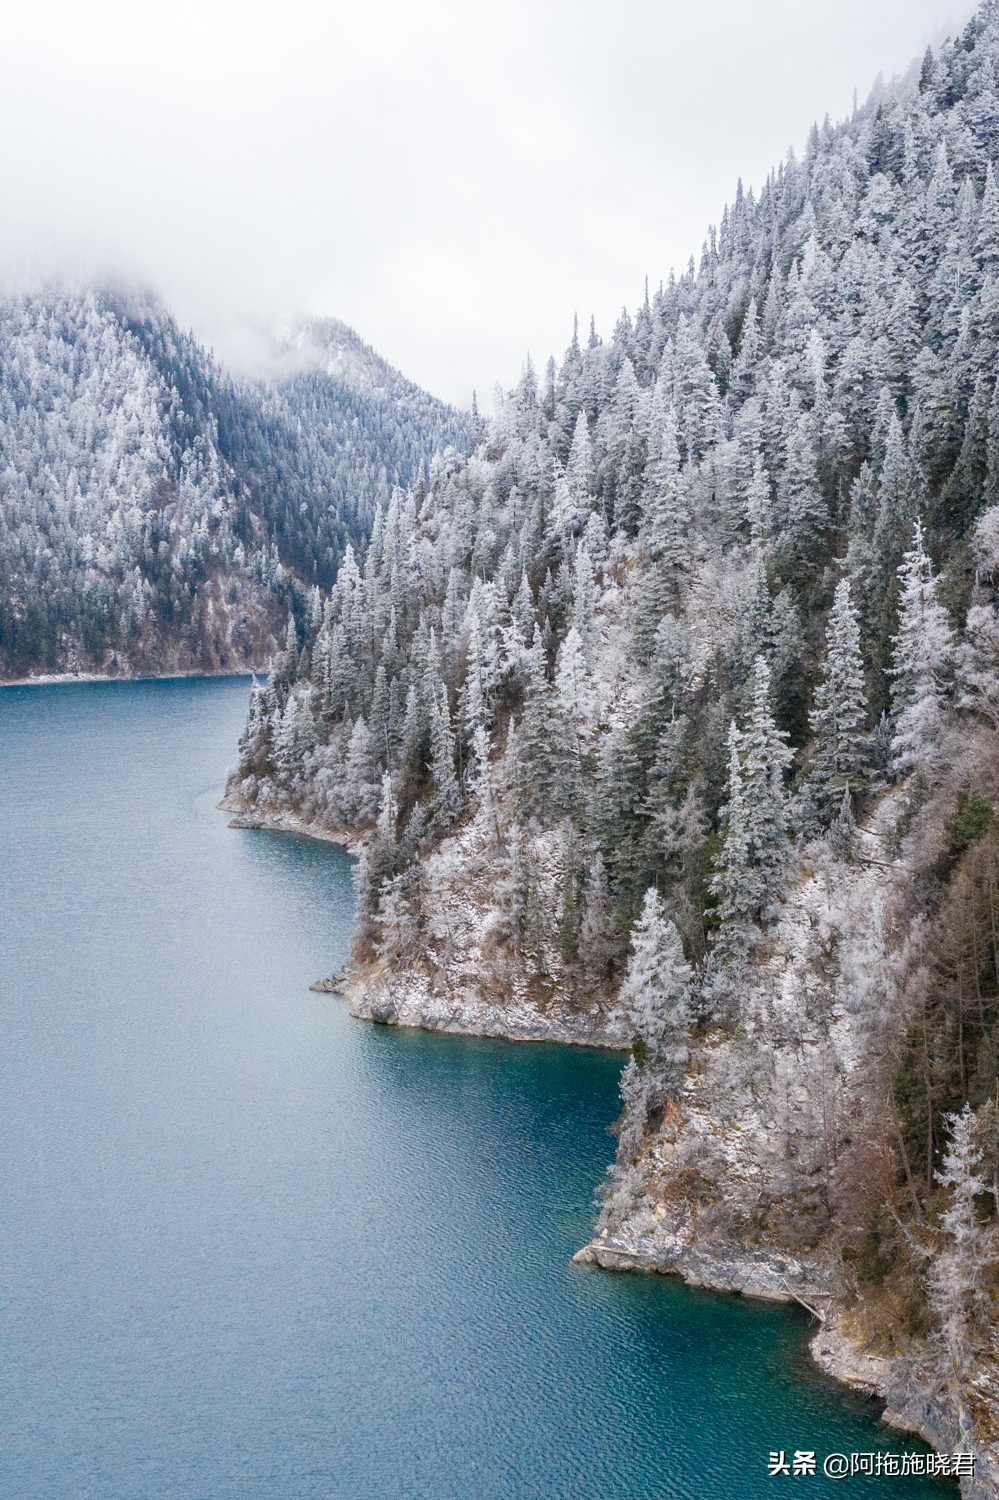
(596, 929)
(545, 767)
(663, 533)
(359, 793)
(838, 719)
(447, 793)
(957, 1273)
(922, 667)
(732, 884)
(766, 757)
(656, 990)
(656, 994)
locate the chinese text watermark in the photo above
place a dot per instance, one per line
(801, 1463)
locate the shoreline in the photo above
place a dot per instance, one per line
(494, 1023)
(893, 1380)
(415, 1005)
(276, 820)
(57, 679)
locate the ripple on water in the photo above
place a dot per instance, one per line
(253, 1248)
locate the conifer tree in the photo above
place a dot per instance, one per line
(411, 753)
(839, 718)
(758, 506)
(596, 930)
(665, 519)
(383, 846)
(656, 994)
(922, 663)
(802, 513)
(472, 708)
(732, 883)
(899, 497)
(447, 794)
(765, 759)
(579, 469)
(394, 918)
(957, 1292)
(656, 990)
(745, 368)
(584, 595)
(360, 790)
(544, 766)
(844, 830)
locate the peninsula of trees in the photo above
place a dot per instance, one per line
(669, 712)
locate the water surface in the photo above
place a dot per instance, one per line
(251, 1249)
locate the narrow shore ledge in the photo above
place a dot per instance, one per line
(416, 1006)
(767, 1276)
(56, 679)
(279, 820)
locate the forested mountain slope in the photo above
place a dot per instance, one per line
(155, 513)
(670, 712)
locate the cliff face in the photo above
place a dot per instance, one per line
(754, 1148)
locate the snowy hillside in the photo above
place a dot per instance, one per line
(156, 514)
(676, 701)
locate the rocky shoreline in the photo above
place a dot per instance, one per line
(910, 1405)
(282, 820)
(414, 1002)
(453, 1004)
(767, 1275)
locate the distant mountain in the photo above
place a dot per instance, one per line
(156, 513)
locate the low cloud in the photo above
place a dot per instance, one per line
(454, 181)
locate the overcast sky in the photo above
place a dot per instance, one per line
(452, 178)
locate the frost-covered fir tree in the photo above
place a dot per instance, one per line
(656, 989)
(656, 995)
(838, 719)
(750, 871)
(978, 657)
(765, 758)
(732, 884)
(958, 1270)
(663, 533)
(596, 931)
(447, 792)
(359, 791)
(545, 766)
(922, 668)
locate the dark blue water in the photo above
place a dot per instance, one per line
(251, 1248)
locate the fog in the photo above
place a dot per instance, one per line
(454, 180)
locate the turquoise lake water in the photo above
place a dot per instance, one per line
(251, 1249)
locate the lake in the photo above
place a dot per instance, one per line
(251, 1249)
